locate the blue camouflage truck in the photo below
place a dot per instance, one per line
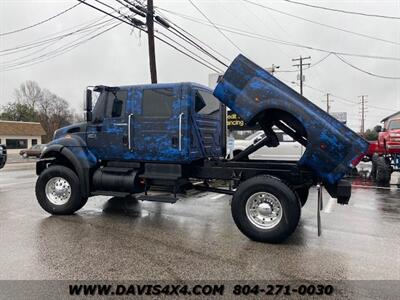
(143, 139)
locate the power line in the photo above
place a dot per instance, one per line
(210, 65)
(343, 11)
(364, 71)
(216, 27)
(61, 51)
(340, 98)
(39, 42)
(48, 45)
(241, 32)
(182, 36)
(179, 30)
(144, 30)
(322, 24)
(310, 66)
(41, 22)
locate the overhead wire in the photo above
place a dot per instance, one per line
(45, 40)
(343, 11)
(364, 71)
(180, 35)
(304, 69)
(184, 33)
(144, 30)
(39, 23)
(62, 51)
(322, 24)
(239, 31)
(48, 45)
(216, 27)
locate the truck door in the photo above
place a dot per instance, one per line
(107, 134)
(158, 127)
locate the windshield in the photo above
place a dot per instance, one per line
(394, 124)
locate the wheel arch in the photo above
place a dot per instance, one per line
(61, 155)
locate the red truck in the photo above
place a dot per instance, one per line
(385, 152)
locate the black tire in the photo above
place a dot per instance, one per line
(291, 209)
(302, 194)
(75, 201)
(383, 171)
(374, 158)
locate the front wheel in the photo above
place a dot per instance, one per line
(265, 209)
(57, 191)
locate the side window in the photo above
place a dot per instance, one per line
(206, 103)
(116, 102)
(158, 102)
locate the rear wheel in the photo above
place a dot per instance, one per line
(265, 209)
(383, 171)
(58, 191)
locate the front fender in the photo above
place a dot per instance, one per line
(77, 155)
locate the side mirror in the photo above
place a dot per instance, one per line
(378, 128)
(88, 116)
(88, 100)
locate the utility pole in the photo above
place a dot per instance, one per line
(363, 111)
(301, 64)
(150, 30)
(328, 103)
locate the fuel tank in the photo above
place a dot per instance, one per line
(258, 97)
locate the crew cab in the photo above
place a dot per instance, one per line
(3, 156)
(288, 148)
(141, 140)
(389, 138)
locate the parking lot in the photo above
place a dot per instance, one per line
(193, 239)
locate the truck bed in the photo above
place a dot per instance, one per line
(289, 171)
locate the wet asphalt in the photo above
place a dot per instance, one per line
(195, 238)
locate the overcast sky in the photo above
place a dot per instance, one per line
(119, 57)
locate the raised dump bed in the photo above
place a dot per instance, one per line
(258, 97)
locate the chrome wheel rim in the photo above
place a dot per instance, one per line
(264, 210)
(58, 191)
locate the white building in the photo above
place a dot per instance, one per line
(20, 135)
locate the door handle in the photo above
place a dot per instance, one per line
(120, 124)
(180, 132)
(129, 132)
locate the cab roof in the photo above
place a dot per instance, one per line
(163, 85)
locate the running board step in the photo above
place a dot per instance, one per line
(158, 198)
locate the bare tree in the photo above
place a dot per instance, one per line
(29, 93)
(54, 112)
(32, 103)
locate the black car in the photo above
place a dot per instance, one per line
(3, 155)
